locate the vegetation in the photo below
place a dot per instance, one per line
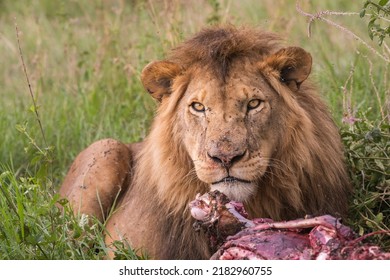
(83, 60)
(379, 11)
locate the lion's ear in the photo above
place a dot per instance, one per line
(293, 65)
(157, 77)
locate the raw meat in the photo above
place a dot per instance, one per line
(233, 236)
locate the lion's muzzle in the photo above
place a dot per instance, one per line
(226, 150)
(226, 160)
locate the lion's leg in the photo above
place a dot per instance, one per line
(97, 176)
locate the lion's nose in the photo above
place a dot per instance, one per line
(226, 160)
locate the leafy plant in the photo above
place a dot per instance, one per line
(380, 15)
(368, 154)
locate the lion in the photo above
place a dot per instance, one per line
(236, 113)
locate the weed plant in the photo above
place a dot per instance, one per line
(83, 60)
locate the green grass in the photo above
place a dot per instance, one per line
(84, 59)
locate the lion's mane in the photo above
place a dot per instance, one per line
(306, 174)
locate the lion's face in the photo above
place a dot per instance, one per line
(230, 125)
(226, 127)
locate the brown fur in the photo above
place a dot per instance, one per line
(302, 169)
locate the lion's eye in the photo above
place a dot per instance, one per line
(198, 107)
(254, 103)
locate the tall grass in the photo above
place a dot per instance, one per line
(84, 60)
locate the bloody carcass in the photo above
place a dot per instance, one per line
(233, 236)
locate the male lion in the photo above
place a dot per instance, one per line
(236, 114)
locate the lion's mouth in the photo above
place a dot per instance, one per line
(231, 179)
(235, 188)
